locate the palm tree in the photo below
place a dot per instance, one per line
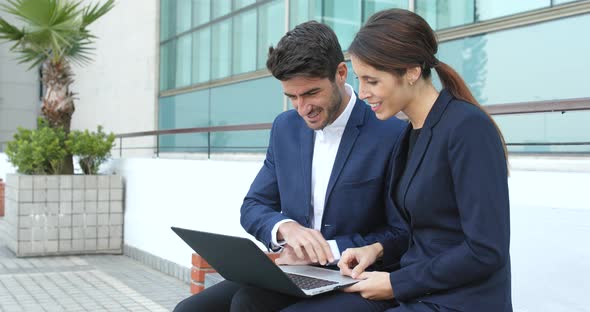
(54, 35)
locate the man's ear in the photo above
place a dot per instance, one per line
(341, 72)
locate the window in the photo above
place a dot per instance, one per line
(488, 9)
(201, 12)
(271, 27)
(183, 60)
(221, 49)
(183, 16)
(238, 4)
(167, 19)
(304, 10)
(516, 65)
(184, 111)
(244, 42)
(201, 55)
(344, 16)
(442, 14)
(168, 65)
(220, 8)
(371, 7)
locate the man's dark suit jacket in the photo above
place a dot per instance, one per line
(354, 212)
(455, 202)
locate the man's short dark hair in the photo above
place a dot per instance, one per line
(311, 50)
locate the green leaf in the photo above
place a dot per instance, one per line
(53, 29)
(10, 32)
(39, 151)
(92, 148)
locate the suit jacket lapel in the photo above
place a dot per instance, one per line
(351, 132)
(306, 138)
(399, 155)
(415, 159)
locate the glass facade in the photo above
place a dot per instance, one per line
(270, 16)
(344, 16)
(488, 9)
(371, 7)
(244, 42)
(201, 59)
(201, 12)
(442, 14)
(247, 102)
(513, 66)
(205, 41)
(221, 49)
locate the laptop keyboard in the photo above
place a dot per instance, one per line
(306, 282)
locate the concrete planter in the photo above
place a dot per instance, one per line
(60, 215)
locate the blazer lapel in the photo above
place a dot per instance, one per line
(414, 161)
(399, 150)
(306, 138)
(399, 155)
(351, 132)
(423, 141)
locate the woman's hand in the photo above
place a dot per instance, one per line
(374, 286)
(354, 261)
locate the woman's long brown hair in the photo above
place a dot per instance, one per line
(395, 40)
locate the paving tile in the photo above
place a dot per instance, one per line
(84, 283)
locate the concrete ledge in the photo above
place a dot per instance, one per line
(560, 163)
(157, 263)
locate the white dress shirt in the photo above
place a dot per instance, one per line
(325, 148)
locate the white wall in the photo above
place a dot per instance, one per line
(19, 90)
(119, 88)
(196, 194)
(5, 167)
(550, 213)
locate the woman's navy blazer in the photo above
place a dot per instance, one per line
(455, 202)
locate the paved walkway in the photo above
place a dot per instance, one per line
(84, 283)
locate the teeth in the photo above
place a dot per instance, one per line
(373, 105)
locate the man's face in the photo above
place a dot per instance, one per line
(317, 100)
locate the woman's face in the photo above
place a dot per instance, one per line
(386, 93)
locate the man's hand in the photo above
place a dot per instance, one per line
(288, 257)
(374, 286)
(305, 242)
(354, 261)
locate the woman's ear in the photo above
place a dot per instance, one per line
(413, 74)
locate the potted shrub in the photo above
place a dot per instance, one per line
(53, 34)
(49, 210)
(91, 148)
(50, 214)
(39, 151)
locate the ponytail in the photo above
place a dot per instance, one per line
(394, 40)
(453, 82)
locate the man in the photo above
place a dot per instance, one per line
(322, 187)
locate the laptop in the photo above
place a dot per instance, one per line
(239, 260)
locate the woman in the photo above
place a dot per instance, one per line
(448, 180)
